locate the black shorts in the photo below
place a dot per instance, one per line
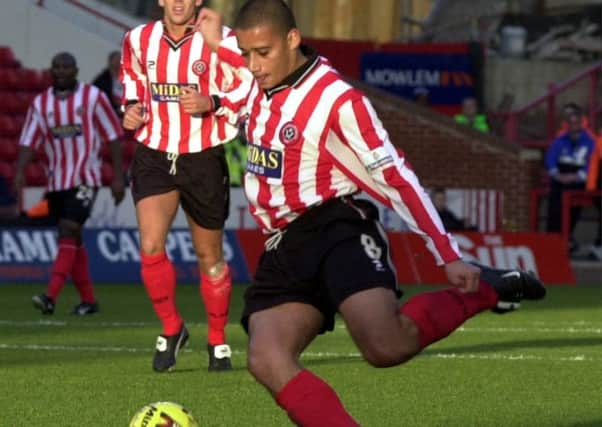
(328, 254)
(200, 178)
(74, 204)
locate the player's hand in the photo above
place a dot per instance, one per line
(209, 24)
(193, 102)
(133, 117)
(463, 276)
(118, 189)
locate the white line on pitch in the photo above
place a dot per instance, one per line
(307, 355)
(86, 324)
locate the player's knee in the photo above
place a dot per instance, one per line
(151, 246)
(259, 363)
(70, 230)
(386, 355)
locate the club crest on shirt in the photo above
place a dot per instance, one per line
(264, 161)
(289, 133)
(169, 92)
(199, 67)
(66, 131)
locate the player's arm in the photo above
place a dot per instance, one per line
(107, 126)
(133, 81)
(391, 180)
(31, 136)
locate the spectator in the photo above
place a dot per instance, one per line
(568, 110)
(70, 120)
(594, 182)
(179, 160)
(450, 221)
(567, 163)
(108, 81)
(314, 142)
(471, 117)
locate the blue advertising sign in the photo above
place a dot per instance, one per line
(27, 254)
(448, 78)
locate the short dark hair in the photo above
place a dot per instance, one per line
(64, 58)
(255, 13)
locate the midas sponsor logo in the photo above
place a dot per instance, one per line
(66, 131)
(24, 246)
(169, 92)
(264, 161)
(496, 254)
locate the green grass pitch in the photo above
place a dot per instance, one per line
(538, 367)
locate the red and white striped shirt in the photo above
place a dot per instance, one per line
(154, 68)
(71, 132)
(315, 138)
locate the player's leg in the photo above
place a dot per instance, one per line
(361, 285)
(78, 209)
(157, 202)
(216, 290)
(69, 238)
(203, 184)
(277, 337)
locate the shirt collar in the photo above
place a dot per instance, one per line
(299, 75)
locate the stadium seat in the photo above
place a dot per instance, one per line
(106, 173)
(29, 79)
(14, 102)
(7, 170)
(8, 79)
(8, 150)
(9, 127)
(7, 58)
(35, 175)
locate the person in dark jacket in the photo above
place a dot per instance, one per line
(108, 81)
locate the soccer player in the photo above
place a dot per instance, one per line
(70, 121)
(314, 142)
(166, 66)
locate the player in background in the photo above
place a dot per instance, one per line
(314, 142)
(70, 121)
(179, 160)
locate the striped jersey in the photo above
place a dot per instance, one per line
(71, 132)
(314, 138)
(154, 68)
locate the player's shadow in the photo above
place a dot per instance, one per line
(493, 347)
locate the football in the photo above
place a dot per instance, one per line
(163, 414)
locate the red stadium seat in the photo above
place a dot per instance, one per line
(14, 102)
(7, 170)
(7, 58)
(8, 150)
(9, 126)
(35, 175)
(31, 80)
(8, 78)
(106, 173)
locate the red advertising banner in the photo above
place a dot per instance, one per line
(545, 254)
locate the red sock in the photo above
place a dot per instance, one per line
(216, 297)
(438, 314)
(310, 402)
(63, 264)
(159, 278)
(81, 276)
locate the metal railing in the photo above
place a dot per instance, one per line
(549, 100)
